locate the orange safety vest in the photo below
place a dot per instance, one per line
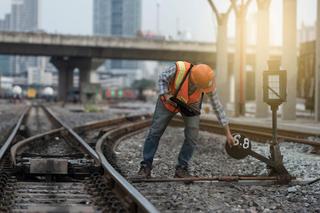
(181, 70)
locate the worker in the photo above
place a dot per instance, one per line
(181, 89)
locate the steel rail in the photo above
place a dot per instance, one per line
(261, 134)
(18, 147)
(84, 144)
(140, 202)
(13, 133)
(213, 178)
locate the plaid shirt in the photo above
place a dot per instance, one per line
(168, 76)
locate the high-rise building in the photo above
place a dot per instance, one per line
(30, 15)
(116, 17)
(16, 15)
(119, 18)
(24, 17)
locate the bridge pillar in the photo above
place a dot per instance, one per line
(289, 57)
(223, 83)
(317, 68)
(65, 78)
(66, 65)
(88, 74)
(239, 60)
(262, 55)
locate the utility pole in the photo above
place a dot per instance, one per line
(289, 57)
(239, 55)
(262, 55)
(317, 67)
(222, 73)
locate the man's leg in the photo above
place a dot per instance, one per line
(161, 118)
(191, 133)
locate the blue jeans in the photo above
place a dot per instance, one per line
(161, 119)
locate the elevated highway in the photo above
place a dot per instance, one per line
(87, 53)
(43, 44)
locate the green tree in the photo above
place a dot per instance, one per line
(142, 85)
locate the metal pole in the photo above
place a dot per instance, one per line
(158, 20)
(274, 124)
(275, 149)
(317, 67)
(289, 57)
(242, 52)
(262, 52)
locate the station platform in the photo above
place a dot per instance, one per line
(299, 125)
(304, 122)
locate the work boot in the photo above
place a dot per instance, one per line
(182, 172)
(144, 172)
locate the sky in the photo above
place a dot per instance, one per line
(195, 16)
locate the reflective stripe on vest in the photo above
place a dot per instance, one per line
(181, 72)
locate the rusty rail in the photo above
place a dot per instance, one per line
(138, 201)
(13, 133)
(213, 178)
(83, 144)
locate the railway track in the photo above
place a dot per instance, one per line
(156, 189)
(58, 171)
(82, 175)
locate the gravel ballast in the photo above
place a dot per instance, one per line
(210, 159)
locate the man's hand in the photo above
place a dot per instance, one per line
(166, 98)
(230, 140)
(229, 136)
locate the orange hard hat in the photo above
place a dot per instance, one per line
(203, 77)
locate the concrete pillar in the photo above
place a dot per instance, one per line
(262, 55)
(66, 65)
(239, 61)
(223, 83)
(289, 57)
(65, 78)
(65, 83)
(317, 68)
(88, 73)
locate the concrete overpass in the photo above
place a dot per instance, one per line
(69, 52)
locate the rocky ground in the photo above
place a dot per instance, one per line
(38, 122)
(75, 116)
(210, 159)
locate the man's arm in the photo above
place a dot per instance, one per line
(221, 115)
(165, 78)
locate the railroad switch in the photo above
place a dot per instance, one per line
(56, 166)
(274, 94)
(242, 149)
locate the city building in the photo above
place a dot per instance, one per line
(24, 16)
(4, 65)
(119, 18)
